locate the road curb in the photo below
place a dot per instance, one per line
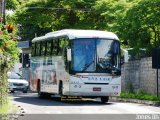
(147, 102)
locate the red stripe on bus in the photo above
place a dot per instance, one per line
(37, 85)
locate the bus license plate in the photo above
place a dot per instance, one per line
(96, 89)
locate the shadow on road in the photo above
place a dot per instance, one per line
(31, 98)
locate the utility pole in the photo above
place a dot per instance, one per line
(156, 65)
(3, 9)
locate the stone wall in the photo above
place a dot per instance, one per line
(139, 75)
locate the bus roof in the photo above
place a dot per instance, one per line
(74, 34)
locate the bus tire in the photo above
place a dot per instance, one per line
(25, 91)
(60, 88)
(40, 94)
(12, 91)
(47, 95)
(104, 99)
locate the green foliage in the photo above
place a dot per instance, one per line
(8, 108)
(8, 44)
(141, 25)
(12, 4)
(141, 95)
(136, 22)
(5, 107)
(8, 56)
(42, 16)
(130, 88)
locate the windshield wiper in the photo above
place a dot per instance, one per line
(87, 66)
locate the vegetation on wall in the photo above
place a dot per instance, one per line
(141, 95)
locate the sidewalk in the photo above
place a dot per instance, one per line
(147, 102)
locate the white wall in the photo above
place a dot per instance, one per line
(17, 67)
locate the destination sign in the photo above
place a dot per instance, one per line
(97, 78)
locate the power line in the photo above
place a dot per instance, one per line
(51, 8)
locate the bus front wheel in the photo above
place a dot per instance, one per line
(104, 99)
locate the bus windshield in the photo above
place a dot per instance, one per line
(95, 55)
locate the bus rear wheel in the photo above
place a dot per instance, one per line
(104, 99)
(40, 94)
(60, 88)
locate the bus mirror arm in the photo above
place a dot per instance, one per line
(69, 54)
(126, 58)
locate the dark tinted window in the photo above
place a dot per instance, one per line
(43, 48)
(61, 47)
(33, 49)
(48, 47)
(55, 47)
(37, 46)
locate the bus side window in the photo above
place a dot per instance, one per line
(51, 49)
(54, 47)
(66, 45)
(48, 47)
(33, 49)
(43, 46)
(58, 47)
(37, 49)
(61, 47)
(40, 49)
(45, 51)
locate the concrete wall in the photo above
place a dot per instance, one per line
(140, 75)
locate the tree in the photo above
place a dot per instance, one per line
(136, 22)
(8, 56)
(141, 25)
(43, 16)
(12, 4)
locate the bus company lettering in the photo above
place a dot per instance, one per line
(92, 78)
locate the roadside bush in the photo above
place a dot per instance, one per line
(139, 95)
(8, 56)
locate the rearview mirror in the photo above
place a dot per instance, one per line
(69, 54)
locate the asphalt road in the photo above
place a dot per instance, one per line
(33, 108)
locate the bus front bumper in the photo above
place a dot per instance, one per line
(95, 90)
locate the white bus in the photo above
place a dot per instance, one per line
(72, 62)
